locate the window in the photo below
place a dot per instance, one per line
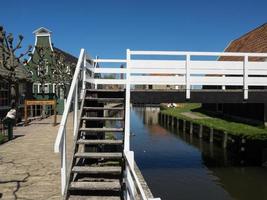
(4, 93)
(35, 88)
(46, 88)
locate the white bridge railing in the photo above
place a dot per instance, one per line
(183, 69)
(73, 98)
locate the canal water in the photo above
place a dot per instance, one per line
(177, 166)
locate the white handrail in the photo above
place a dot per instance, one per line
(60, 143)
(68, 103)
(192, 53)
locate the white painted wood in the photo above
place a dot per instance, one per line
(188, 85)
(68, 104)
(257, 81)
(110, 70)
(181, 53)
(129, 179)
(108, 81)
(158, 80)
(63, 162)
(207, 64)
(84, 74)
(140, 71)
(216, 80)
(127, 105)
(110, 60)
(245, 77)
(155, 71)
(159, 64)
(75, 112)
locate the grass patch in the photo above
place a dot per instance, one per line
(234, 128)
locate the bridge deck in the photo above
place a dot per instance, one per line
(197, 96)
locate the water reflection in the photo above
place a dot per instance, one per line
(179, 166)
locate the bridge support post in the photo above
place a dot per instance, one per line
(211, 135)
(173, 118)
(225, 139)
(177, 124)
(191, 128)
(184, 126)
(200, 134)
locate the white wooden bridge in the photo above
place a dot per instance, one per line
(188, 72)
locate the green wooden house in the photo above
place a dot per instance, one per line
(43, 40)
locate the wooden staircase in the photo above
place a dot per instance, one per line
(97, 164)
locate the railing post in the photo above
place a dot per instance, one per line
(95, 65)
(84, 75)
(129, 180)
(63, 162)
(127, 104)
(127, 119)
(187, 65)
(245, 77)
(75, 111)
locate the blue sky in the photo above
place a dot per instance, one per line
(108, 27)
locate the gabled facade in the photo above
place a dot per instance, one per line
(43, 40)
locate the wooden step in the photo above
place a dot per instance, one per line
(104, 99)
(96, 170)
(103, 118)
(104, 129)
(110, 186)
(103, 108)
(74, 197)
(96, 155)
(111, 142)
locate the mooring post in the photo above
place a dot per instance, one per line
(170, 120)
(184, 125)
(173, 121)
(177, 124)
(191, 132)
(200, 134)
(243, 141)
(191, 128)
(166, 120)
(225, 139)
(211, 135)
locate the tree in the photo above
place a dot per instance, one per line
(62, 72)
(10, 61)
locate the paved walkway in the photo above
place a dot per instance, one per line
(29, 169)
